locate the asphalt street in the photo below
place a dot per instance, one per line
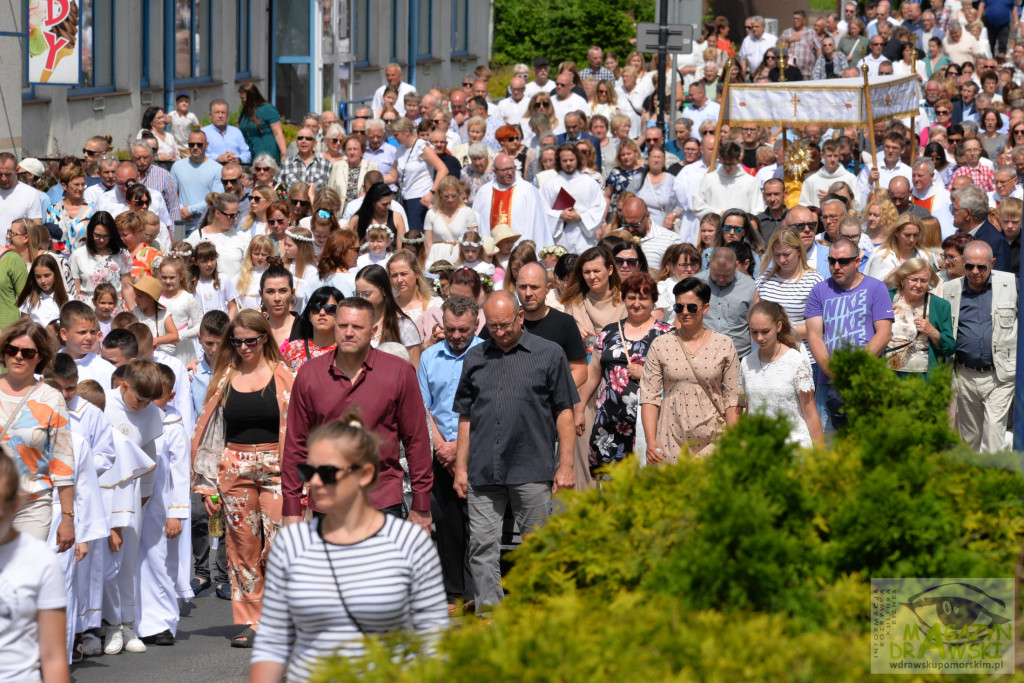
(202, 652)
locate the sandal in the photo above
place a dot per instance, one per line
(244, 639)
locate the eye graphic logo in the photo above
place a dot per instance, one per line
(966, 613)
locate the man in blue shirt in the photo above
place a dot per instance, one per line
(196, 177)
(226, 142)
(438, 374)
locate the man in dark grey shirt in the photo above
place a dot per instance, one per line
(514, 400)
(732, 295)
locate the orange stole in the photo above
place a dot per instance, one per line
(925, 204)
(501, 207)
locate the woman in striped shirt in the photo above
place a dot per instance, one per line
(788, 279)
(355, 572)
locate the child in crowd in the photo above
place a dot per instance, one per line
(297, 250)
(414, 242)
(211, 292)
(104, 301)
(181, 308)
(181, 122)
(378, 247)
(247, 289)
(79, 332)
(150, 311)
(322, 224)
(470, 249)
(159, 584)
(44, 292)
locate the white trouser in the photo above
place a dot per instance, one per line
(983, 404)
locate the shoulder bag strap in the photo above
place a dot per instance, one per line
(686, 355)
(17, 410)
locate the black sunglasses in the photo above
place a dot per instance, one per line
(196, 144)
(843, 261)
(300, 202)
(328, 473)
(305, 137)
(249, 342)
(980, 267)
(329, 309)
(631, 262)
(28, 354)
(689, 308)
(808, 225)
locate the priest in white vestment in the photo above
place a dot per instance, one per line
(511, 200)
(573, 202)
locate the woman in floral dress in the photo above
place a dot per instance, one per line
(615, 370)
(104, 258)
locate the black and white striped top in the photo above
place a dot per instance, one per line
(391, 581)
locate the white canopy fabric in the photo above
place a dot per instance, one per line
(833, 102)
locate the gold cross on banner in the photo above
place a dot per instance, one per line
(795, 100)
(888, 100)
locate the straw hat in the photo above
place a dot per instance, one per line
(488, 245)
(147, 284)
(503, 232)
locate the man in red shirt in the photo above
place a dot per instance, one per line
(385, 388)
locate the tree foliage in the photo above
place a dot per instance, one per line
(563, 30)
(751, 564)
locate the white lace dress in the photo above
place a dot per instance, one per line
(774, 388)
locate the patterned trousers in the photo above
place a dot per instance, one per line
(249, 480)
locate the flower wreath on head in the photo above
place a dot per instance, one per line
(553, 250)
(296, 236)
(182, 254)
(466, 243)
(413, 240)
(385, 227)
(487, 281)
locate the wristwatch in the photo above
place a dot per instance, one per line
(69, 514)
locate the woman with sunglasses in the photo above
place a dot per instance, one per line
(238, 441)
(376, 210)
(615, 368)
(334, 138)
(264, 172)
(382, 574)
(511, 140)
(679, 262)
(629, 258)
(936, 152)
(255, 222)
(300, 200)
(540, 104)
(313, 332)
(689, 389)
(231, 243)
(736, 226)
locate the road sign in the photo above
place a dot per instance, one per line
(679, 37)
(682, 12)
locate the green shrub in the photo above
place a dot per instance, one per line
(752, 564)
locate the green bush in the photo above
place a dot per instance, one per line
(752, 564)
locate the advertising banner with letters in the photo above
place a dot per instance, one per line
(54, 42)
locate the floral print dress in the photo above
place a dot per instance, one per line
(614, 432)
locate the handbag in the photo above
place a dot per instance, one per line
(721, 413)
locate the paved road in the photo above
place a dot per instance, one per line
(201, 653)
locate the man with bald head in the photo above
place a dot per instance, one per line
(513, 108)
(460, 113)
(393, 78)
(511, 200)
(984, 307)
(115, 201)
(515, 400)
(899, 193)
(654, 239)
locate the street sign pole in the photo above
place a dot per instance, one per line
(662, 66)
(662, 38)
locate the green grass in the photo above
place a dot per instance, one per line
(824, 5)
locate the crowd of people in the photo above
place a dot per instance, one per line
(382, 346)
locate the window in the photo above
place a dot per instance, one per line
(394, 31)
(144, 80)
(244, 12)
(460, 28)
(192, 40)
(98, 30)
(361, 32)
(426, 47)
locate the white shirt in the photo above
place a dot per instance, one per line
(657, 241)
(403, 90)
(873, 63)
(92, 366)
(718, 192)
(414, 174)
(709, 112)
(753, 49)
(532, 88)
(115, 203)
(21, 201)
(511, 111)
(562, 107)
(45, 310)
(885, 174)
(231, 246)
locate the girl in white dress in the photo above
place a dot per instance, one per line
(44, 292)
(297, 249)
(212, 293)
(247, 289)
(471, 247)
(446, 222)
(181, 307)
(776, 379)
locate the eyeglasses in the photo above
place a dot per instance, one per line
(771, 57)
(467, 84)
(517, 89)
(262, 169)
(950, 257)
(630, 262)
(687, 265)
(541, 104)
(749, 27)
(256, 199)
(627, 225)
(875, 43)
(232, 216)
(328, 473)
(500, 327)
(943, 112)
(732, 228)
(329, 309)
(334, 140)
(389, 121)
(689, 308)
(276, 221)
(90, 152)
(306, 138)
(299, 202)
(98, 236)
(196, 144)
(28, 354)
(141, 202)
(232, 181)
(980, 267)
(248, 342)
(842, 261)
(806, 226)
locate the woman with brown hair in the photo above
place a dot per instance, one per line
(260, 124)
(341, 250)
(347, 174)
(238, 442)
(393, 325)
(72, 212)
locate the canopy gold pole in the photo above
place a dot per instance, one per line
(871, 118)
(721, 115)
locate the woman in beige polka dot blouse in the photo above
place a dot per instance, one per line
(689, 387)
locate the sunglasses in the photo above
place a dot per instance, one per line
(249, 342)
(334, 140)
(980, 267)
(627, 225)
(307, 138)
(631, 262)
(843, 261)
(89, 152)
(28, 354)
(196, 144)
(328, 473)
(262, 169)
(232, 216)
(942, 112)
(276, 221)
(329, 309)
(809, 225)
(732, 228)
(467, 84)
(542, 104)
(141, 202)
(230, 180)
(300, 202)
(689, 308)
(389, 121)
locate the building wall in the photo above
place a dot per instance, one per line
(11, 48)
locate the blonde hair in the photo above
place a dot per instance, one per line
(423, 291)
(472, 237)
(305, 255)
(261, 243)
(184, 281)
(784, 237)
(915, 265)
(890, 245)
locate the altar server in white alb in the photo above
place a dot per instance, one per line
(728, 186)
(161, 566)
(133, 416)
(816, 185)
(510, 200)
(573, 202)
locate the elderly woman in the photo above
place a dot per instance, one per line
(953, 256)
(658, 191)
(689, 388)
(830, 62)
(347, 175)
(615, 368)
(476, 129)
(478, 172)
(922, 329)
(334, 137)
(264, 172)
(71, 213)
(899, 246)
